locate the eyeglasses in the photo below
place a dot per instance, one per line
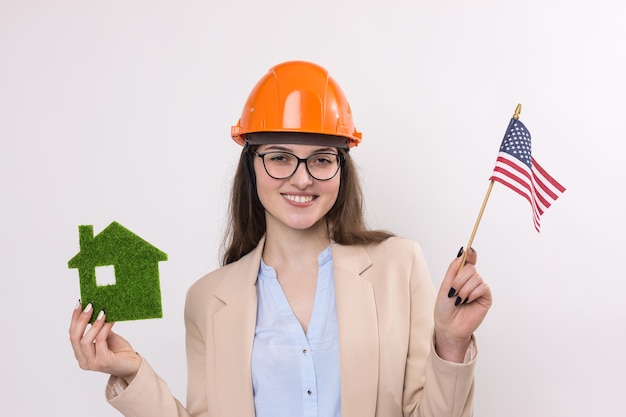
(322, 166)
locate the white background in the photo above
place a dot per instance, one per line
(121, 110)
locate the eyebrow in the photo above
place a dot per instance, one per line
(286, 149)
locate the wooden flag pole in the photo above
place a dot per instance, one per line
(518, 110)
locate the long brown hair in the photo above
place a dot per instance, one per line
(246, 224)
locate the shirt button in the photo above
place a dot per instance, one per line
(304, 351)
(309, 392)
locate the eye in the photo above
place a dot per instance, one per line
(323, 159)
(279, 157)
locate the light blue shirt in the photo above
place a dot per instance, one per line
(296, 374)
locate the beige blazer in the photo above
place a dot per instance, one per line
(385, 301)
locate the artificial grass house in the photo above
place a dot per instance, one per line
(136, 292)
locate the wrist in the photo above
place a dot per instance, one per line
(132, 371)
(451, 348)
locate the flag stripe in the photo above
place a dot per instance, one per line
(542, 188)
(507, 163)
(517, 173)
(544, 174)
(536, 217)
(519, 183)
(528, 197)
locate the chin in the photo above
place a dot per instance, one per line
(303, 223)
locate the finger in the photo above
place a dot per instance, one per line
(457, 278)
(78, 326)
(75, 332)
(481, 293)
(471, 256)
(447, 285)
(87, 343)
(467, 288)
(76, 312)
(103, 334)
(101, 344)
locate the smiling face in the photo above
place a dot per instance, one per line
(300, 201)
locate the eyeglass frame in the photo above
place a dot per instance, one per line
(339, 156)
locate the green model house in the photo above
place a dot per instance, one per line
(136, 292)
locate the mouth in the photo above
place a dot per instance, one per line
(300, 199)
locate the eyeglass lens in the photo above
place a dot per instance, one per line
(281, 165)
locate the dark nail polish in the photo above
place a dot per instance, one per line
(458, 255)
(473, 250)
(458, 301)
(465, 301)
(452, 292)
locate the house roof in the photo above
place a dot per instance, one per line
(114, 245)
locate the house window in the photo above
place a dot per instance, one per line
(105, 275)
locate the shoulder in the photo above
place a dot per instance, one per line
(211, 280)
(396, 269)
(397, 258)
(214, 291)
(227, 281)
(394, 256)
(394, 248)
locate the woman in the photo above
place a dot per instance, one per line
(312, 314)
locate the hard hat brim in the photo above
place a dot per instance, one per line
(297, 138)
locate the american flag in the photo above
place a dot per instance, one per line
(517, 169)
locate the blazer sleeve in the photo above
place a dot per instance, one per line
(433, 387)
(449, 388)
(148, 395)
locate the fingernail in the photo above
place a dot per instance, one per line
(465, 301)
(458, 255)
(77, 305)
(472, 249)
(458, 301)
(100, 315)
(88, 308)
(451, 292)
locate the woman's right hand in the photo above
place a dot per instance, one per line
(98, 348)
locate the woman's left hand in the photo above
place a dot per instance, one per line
(462, 304)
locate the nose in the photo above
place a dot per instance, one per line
(301, 177)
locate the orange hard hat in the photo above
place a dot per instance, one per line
(299, 97)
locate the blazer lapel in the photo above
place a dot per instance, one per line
(234, 327)
(358, 331)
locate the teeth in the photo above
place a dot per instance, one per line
(299, 198)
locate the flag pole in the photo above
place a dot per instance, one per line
(518, 110)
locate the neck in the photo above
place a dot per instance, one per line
(284, 245)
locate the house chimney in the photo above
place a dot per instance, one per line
(85, 236)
